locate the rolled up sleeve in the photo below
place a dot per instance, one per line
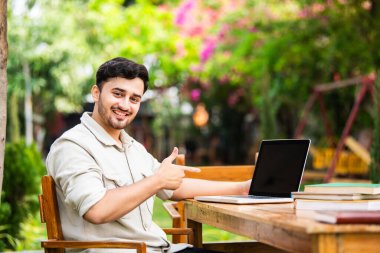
(78, 175)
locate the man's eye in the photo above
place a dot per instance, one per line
(117, 94)
(135, 99)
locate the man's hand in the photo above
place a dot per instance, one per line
(171, 175)
(245, 186)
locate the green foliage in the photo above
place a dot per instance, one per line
(284, 48)
(58, 48)
(32, 232)
(273, 49)
(145, 33)
(261, 56)
(23, 168)
(5, 238)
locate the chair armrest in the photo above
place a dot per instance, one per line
(177, 214)
(178, 231)
(170, 207)
(59, 244)
(181, 231)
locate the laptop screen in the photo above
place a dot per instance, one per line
(279, 167)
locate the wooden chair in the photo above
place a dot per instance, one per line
(56, 243)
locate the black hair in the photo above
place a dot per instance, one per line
(121, 67)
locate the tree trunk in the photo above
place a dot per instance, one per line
(3, 84)
(28, 104)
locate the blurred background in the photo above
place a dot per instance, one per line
(225, 74)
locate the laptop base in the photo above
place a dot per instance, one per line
(242, 199)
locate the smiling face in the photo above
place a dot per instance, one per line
(117, 104)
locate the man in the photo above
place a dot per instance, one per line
(106, 181)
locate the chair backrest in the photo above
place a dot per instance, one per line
(219, 172)
(49, 211)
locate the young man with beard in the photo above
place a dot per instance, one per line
(106, 181)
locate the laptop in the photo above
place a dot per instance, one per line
(278, 173)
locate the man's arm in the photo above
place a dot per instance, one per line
(118, 202)
(198, 187)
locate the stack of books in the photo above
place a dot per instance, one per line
(339, 196)
(348, 217)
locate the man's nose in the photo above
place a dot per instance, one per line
(125, 103)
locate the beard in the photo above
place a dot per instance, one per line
(112, 121)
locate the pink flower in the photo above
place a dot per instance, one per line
(317, 8)
(253, 29)
(224, 79)
(367, 5)
(195, 31)
(195, 95)
(196, 68)
(233, 99)
(208, 50)
(180, 50)
(223, 31)
(304, 13)
(182, 12)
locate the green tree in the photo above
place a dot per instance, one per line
(56, 60)
(145, 31)
(281, 49)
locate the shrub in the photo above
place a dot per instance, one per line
(23, 168)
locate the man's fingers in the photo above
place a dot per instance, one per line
(191, 169)
(187, 168)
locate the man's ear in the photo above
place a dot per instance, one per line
(95, 92)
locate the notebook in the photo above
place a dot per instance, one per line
(278, 173)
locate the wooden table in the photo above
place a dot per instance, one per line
(280, 226)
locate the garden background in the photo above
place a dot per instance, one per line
(225, 74)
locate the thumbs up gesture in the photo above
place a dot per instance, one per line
(171, 175)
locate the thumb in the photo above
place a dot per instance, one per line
(173, 155)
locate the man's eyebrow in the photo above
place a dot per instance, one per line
(124, 91)
(119, 89)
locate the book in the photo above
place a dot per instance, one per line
(333, 196)
(337, 188)
(308, 204)
(348, 217)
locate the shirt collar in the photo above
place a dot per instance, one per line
(101, 134)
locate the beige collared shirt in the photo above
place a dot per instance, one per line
(84, 162)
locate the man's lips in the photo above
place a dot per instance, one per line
(121, 113)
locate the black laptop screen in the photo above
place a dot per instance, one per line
(279, 167)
